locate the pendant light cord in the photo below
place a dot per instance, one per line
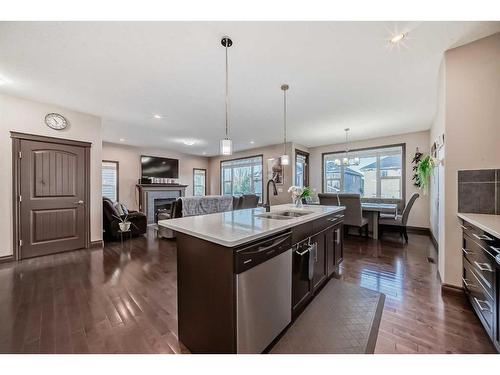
(227, 87)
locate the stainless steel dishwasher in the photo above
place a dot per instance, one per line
(263, 292)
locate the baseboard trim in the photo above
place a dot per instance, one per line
(419, 230)
(99, 244)
(447, 289)
(7, 258)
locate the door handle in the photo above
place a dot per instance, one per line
(78, 202)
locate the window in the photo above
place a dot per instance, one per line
(199, 182)
(301, 168)
(242, 176)
(110, 179)
(378, 175)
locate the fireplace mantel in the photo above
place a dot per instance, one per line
(149, 192)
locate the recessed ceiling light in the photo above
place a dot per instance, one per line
(122, 139)
(189, 142)
(252, 142)
(158, 116)
(204, 152)
(397, 38)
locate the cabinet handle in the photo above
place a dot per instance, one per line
(467, 284)
(466, 251)
(480, 302)
(482, 237)
(464, 228)
(337, 239)
(483, 266)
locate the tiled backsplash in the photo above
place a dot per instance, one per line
(479, 191)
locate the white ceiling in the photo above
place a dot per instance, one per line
(341, 74)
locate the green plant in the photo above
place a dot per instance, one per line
(424, 171)
(306, 192)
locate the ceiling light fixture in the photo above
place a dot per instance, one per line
(226, 145)
(397, 38)
(158, 116)
(285, 159)
(188, 142)
(346, 161)
(252, 142)
(122, 139)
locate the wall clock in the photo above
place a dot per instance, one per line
(56, 121)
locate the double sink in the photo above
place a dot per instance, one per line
(283, 215)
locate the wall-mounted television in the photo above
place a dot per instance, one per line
(153, 166)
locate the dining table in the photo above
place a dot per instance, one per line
(374, 210)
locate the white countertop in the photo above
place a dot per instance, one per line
(234, 228)
(488, 223)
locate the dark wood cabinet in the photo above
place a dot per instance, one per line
(338, 235)
(310, 274)
(320, 259)
(480, 277)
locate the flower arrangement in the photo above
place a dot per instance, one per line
(299, 193)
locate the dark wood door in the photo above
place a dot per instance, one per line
(52, 198)
(320, 272)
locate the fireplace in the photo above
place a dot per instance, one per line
(162, 205)
(154, 197)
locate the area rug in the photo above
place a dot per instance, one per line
(344, 318)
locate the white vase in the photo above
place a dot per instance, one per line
(124, 226)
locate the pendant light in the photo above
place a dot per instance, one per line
(226, 145)
(285, 159)
(346, 160)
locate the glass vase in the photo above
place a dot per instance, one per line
(298, 203)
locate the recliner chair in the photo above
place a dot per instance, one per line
(110, 221)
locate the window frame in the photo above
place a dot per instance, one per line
(306, 169)
(379, 178)
(221, 175)
(117, 177)
(205, 183)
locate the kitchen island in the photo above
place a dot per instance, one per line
(243, 276)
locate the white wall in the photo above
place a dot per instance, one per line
(129, 159)
(419, 216)
(21, 115)
(472, 131)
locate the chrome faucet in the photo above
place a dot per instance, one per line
(267, 205)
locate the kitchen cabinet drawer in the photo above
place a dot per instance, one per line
(302, 232)
(327, 221)
(482, 262)
(482, 303)
(481, 237)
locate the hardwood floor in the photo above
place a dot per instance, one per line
(124, 301)
(417, 317)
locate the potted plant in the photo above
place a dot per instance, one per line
(124, 224)
(424, 171)
(299, 193)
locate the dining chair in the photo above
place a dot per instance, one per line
(353, 214)
(398, 222)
